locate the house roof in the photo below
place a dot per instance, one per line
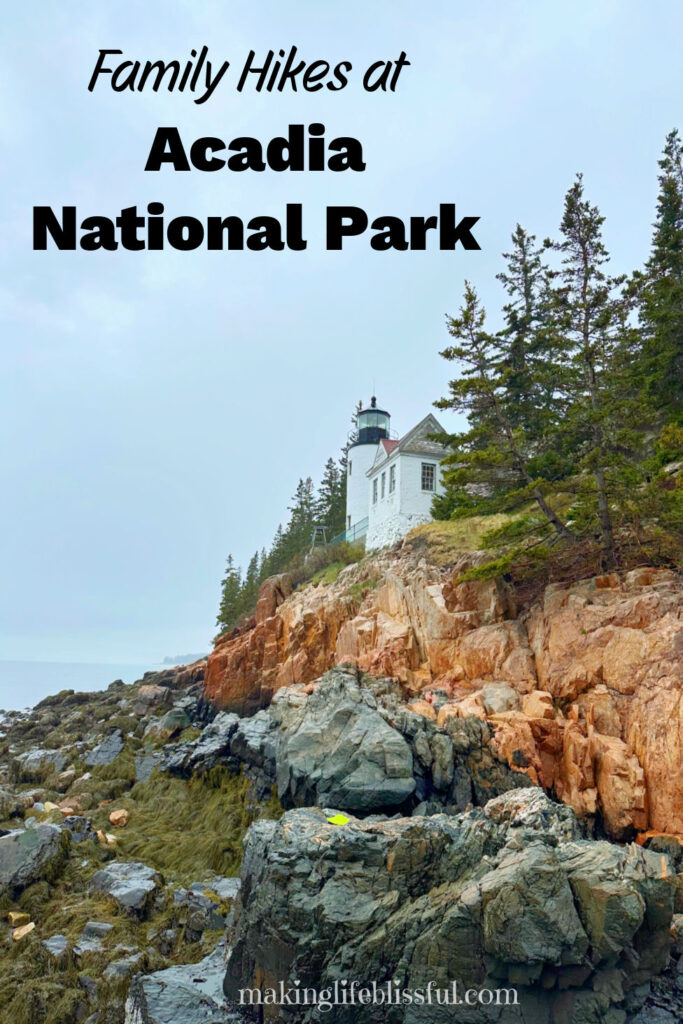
(388, 445)
(415, 442)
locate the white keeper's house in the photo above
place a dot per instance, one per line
(390, 481)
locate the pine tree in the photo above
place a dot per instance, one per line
(251, 583)
(492, 454)
(529, 393)
(231, 591)
(589, 333)
(330, 504)
(660, 290)
(302, 519)
(276, 558)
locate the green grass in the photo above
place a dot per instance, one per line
(358, 590)
(444, 541)
(329, 574)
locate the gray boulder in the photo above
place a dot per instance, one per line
(210, 749)
(671, 846)
(335, 748)
(655, 1015)
(192, 994)
(122, 968)
(169, 725)
(502, 896)
(131, 884)
(36, 765)
(253, 740)
(79, 827)
(677, 932)
(96, 929)
(106, 751)
(613, 901)
(91, 937)
(225, 888)
(145, 763)
(11, 805)
(528, 812)
(57, 946)
(199, 911)
(29, 855)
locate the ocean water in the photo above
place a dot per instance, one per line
(24, 683)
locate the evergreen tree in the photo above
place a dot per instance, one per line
(589, 334)
(251, 583)
(276, 558)
(490, 457)
(330, 505)
(302, 519)
(231, 591)
(660, 290)
(528, 380)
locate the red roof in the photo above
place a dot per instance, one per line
(389, 445)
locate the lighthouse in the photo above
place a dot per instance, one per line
(372, 428)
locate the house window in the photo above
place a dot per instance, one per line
(350, 467)
(392, 479)
(374, 491)
(384, 480)
(428, 476)
(348, 522)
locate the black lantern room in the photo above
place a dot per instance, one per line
(373, 425)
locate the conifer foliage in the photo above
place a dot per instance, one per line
(308, 508)
(659, 289)
(571, 405)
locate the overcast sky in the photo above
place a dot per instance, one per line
(157, 409)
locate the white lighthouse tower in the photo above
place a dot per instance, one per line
(373, 426)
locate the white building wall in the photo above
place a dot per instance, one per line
(359, 460)
(395, 514)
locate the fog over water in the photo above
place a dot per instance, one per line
(25, 683)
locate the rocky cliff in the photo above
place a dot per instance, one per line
(582, 691)
(350, 791)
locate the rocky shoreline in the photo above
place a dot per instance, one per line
(168, 844)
